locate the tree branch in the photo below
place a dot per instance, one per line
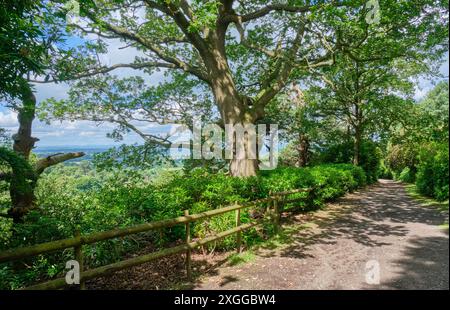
(268, 9)
(103, 70)
(177, 13)
(285, 67)
(55, 159)
(124, 33)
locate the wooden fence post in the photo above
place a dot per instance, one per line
(269, 203)
(282, 205)
(238, 234)
(276, 216)
(312, 195)
(79, 258)
(188, 252)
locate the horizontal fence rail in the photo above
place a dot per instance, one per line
(273, 210)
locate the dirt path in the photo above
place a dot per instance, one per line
(381, 224)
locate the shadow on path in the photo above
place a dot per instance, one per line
(381, 221)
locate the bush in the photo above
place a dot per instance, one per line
(385, 172)
(370, 161)
(433, 171)
(400, 156)
(407, 175)
(336, 153)
(370, 157)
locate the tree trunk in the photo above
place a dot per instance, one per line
(357, 147)
(23, 141)
(21, 188)
(303, 150)
(22, 196)
(234, 110)
(244, 167)
(245, 161)
(22, 202)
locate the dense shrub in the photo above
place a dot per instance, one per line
(336, 153)
(370, 160)
(385, 172)
(370, 157)
(401, 156)
(71, 198)
(433, 171)
(407, 175)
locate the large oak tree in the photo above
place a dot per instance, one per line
(244, 53)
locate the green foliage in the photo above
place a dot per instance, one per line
(433, 171)
(435, 113)
(370, 160)
(370, 157)
(16, 173)
(336, 153)
(76, 197)
(407, 175)
(21, 48)
(205, 14)
(402, 156)
(385, 172)
(420, 147)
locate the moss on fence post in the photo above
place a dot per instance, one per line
(188, 252)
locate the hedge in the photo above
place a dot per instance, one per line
(432, 178)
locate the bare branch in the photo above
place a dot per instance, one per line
(124, 33)
(285, 67)
(103, 70)
(55, 159)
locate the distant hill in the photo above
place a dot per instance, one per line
(43, 151)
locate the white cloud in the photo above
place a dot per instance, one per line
(424, 85)
(420, 93)
(8, 119)
(88, 133)
(49, 133)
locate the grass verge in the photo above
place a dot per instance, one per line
(441, 206)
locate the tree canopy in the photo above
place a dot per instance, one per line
(243, 55)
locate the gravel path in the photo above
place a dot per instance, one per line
(381, 225)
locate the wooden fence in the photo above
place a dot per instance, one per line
(274, 204)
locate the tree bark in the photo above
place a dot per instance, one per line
(23, 141)
(235, 110)
(22, 195)
(245, 161)
(357, 147)
(303, 150)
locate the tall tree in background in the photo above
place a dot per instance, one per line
(369, 87)
(360, 97)
(298, 123)
(426, 122)
(435, 113)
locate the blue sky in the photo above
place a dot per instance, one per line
(85, 133)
